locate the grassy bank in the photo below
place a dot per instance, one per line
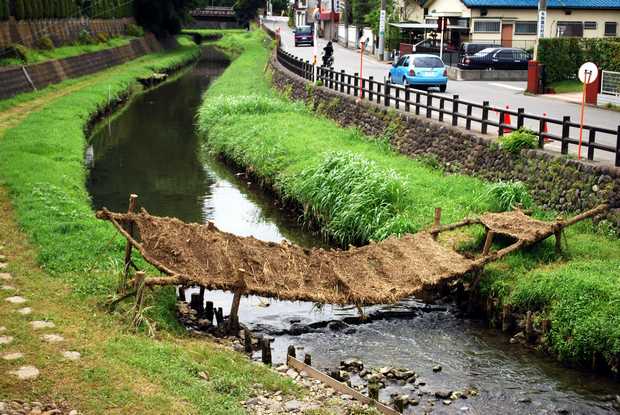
(358, 189)
(64, 262)
(33, 56)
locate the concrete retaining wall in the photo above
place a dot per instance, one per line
(62, 31)
(15, 80)
(459, 74)
(555, 182)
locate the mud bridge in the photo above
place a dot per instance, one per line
(378, 273)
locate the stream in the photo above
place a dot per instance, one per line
(151, 148)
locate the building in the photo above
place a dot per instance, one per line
(514, 22)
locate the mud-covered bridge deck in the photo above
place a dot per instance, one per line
(378, 273)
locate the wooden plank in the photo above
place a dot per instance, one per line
(339, 386)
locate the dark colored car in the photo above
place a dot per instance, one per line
(304, 36)
(471, 48)
(431, 46)
(496, 58)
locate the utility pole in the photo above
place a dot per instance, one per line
(542, 20)
(345, 11)
(382, 30)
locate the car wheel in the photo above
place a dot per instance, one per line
(442, 88)
(405, 83)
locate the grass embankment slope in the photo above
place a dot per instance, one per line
(33, 56)
(358, 189)
(64, 262)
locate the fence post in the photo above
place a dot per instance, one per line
(397, 98)
(417, 102)
(520, 117)
(455, 110)
(332, 85)
(485, 117)
(308, 70)
(618, 147)
(591, 141)
(342, 80)
(348, 84)
(442, 103)
(500, 127)
(370, 82)
(541, 132)
(429, 104)
(565, 133)
(468, 120)
(386, 98)
(407, 97)
(355, 83)
(363, 86)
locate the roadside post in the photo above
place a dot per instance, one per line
(315, 44)
(382, 14)
(588, 72)
(362, 45)
(440, 26)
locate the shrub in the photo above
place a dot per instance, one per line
(518, 140)
(101, 37)
(134, 30)
(45, 43)
(16, 51)
(86, 38)
(508, 195)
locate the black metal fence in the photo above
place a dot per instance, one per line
(470, 115)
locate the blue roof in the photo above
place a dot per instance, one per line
(551, 4)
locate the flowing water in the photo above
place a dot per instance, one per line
(151, 149)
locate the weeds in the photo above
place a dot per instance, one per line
(519, 140)
(507, 195)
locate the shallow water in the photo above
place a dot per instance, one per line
(151, 149)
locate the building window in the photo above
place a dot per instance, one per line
(611, 29)
(589, 25)
(525, 28)
(570, 29)
(487, 26)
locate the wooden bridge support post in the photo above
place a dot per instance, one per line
(436, 222)
(558, 241)
(209, 312)
(247, 341)
(529, 327)
(506, 317)
(488, 242)
(133, 201)
(266, 350)
(373, 390)
(139, 285)
(308, 359)
(233, 318)
(196, 303)
(181, 296)
(291, 351)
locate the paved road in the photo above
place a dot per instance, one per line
(499, 94)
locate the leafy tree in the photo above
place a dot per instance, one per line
(4, 9)
(361, 8)
(246, 10)
(162, 17)
(20, 9)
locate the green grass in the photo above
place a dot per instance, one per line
(38, 56)
(563, 87)
(358, 189)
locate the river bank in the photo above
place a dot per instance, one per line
(313, 162)
(57, 255)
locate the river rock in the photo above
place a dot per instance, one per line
(293, 406)
(447, 402)
(282, 368)
(6, 339)
(352, 364)
(337, 325)
(52, 338)
(25, 311)
(26, 373)
(443, 394)
(12, 356)
(5, 276)
(39, 324)
(70, 355)
(437, 368)
(16, 300)
(292, 373)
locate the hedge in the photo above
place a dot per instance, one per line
(562, 57)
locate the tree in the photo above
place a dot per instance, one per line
(162, 17)
(246, 10)
(20, 10)
(360, 9)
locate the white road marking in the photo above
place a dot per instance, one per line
(516, 88)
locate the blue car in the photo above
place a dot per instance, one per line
(420, 71)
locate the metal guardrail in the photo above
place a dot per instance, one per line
(457, 111)
(610, 83)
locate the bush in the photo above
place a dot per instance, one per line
(16, 51)
(44, 43)
(518, 140)
(562, 57)
(86, 38)
(101, 37)
(134, 30)
(508, 195)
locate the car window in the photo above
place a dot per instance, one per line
(505, 54)
(428, 62)
(400, 61)
(406, 61)
(304, 30)
(485, 51)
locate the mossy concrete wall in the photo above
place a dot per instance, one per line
(555, 181)
(15, 80)
(61, 31)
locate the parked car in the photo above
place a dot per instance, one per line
(304, 36)
(419, 71)
(431, 46)
(471, 48)
(496, 58)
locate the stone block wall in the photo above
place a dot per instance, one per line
(15, 80)
(61, 31)
(555, 182)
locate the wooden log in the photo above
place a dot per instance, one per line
(506, 317)
(266, 350)
(219, 316)
(488, 242)
(247, 341)
(233, 318)
(291, 351)
(436, 222)
(139, 286)
(133, 201)
(465, 222)
(209, 313)
(196, 304)
(308, 359)
(529, 327)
